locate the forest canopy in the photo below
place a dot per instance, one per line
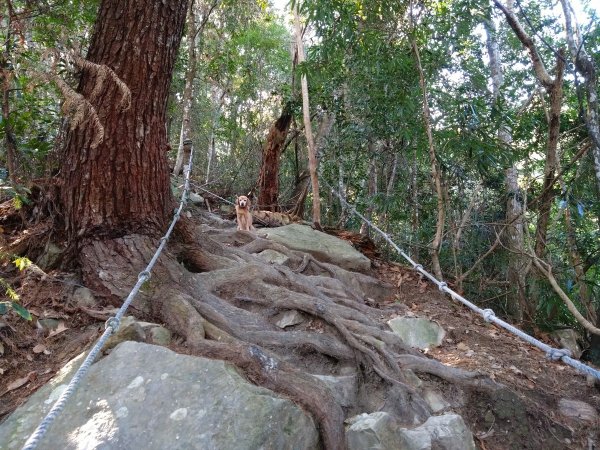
(467, 130)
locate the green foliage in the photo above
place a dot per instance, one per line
(20, 263)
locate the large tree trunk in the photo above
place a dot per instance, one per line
(121, 185)
(268, 179)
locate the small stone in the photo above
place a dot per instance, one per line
(578, 410)
(462, 347)
(288, 319)
(49, 324)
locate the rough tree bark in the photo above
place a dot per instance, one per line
(122, 185)
(268, 179)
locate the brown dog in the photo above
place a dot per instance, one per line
(242, 211)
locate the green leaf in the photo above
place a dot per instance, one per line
(11, 293)
(21, 311)
(3, 308)
(22, 263)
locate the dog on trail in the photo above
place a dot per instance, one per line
(243, 215)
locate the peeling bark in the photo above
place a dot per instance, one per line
(268, 179)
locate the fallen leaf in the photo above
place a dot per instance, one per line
(20, 382)
(39, 348)
(59, 329)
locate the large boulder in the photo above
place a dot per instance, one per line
(321, 246)
(145, 396)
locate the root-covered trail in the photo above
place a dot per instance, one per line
(221, 298)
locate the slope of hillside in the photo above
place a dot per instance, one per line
(547, 404)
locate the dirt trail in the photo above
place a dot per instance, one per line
(29, 357)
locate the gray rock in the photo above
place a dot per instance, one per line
(129, 330)
(567, 338)
(577, 410)
(156, 334)
(49, 323)
(378, 430)
(288, 318)
(435, 401)
(196, 199)
(272, 256)
(343, 388)
(448, 432)
(144, 396)
(323, 247)
(83, 297)
(381, 431)
(50, 256)
(418, 332)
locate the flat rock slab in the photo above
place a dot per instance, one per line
(147, 397)
(321, 246)
(418, 332)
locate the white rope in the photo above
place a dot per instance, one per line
(112, 325)
(555, 354)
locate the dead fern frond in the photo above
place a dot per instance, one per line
(79, 109)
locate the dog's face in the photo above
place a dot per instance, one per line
(243, 201)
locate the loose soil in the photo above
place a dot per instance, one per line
(31, 354)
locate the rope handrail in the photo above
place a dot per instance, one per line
(554, 354)
(112, 324)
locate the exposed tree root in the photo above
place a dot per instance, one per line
(221, 298)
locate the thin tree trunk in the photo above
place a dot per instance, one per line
(456, 242)
(551, 164)
(585, 66)
(513, 238)
(188, 91)
(435, 171)
(9, 138)
(121, 185)
(312, 156)
(211, 150)
(371, 191)
(554, 89)
(577, 263)
(414, 222)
